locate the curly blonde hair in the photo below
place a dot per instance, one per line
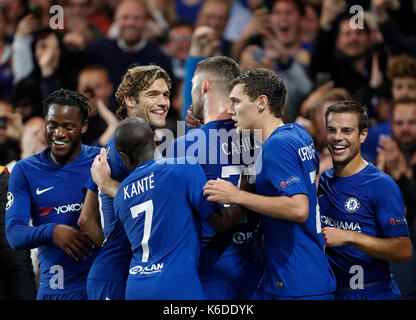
(401, 66)
(136, 79)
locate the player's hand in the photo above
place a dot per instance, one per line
(221, 191)
(335, 237)
(190, 120)
(100, 169)
(74, 242)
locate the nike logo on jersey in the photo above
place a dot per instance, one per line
(39, 192)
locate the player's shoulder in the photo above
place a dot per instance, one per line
(377, 178)
(90, 151)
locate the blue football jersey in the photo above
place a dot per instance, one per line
(295, 262)
(368, 202)
(222, 153)
(49, 194)
(113, 260)
(159, 206)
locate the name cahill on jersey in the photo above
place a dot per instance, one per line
(142, 185)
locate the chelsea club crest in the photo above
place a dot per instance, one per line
(352, 204)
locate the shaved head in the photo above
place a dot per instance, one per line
(134, 140)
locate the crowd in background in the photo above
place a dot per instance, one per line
(324, 52)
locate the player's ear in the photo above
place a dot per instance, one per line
(84, 127)
(206, 85)
(261, 103)
(363, 135)
(126, 160)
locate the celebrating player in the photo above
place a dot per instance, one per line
(162, 226)
(295, 264)
(143, 92)
(221, 155)
(48, 189)
(363, 212)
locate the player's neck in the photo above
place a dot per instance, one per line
(270, 124)
(216, 110)
(352, 167)
(67, 159)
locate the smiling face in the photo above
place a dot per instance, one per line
(353, 43)
(131, 18)
(64, 129)
(152, 104)
(344, 137)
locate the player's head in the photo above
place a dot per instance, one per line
(134, 140)
(403, 125)
(144, 92)
(346, 130)
(215, 74)
(256, 93)
(66, 114)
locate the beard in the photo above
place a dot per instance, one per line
(197, 111)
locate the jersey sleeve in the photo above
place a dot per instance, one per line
(283, 170)
(389, 208)
(90, 185)
(18, 232)
(195, 181)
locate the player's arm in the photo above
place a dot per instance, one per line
(101, 174)
(89, 220)
(390, 249)
(293, 208)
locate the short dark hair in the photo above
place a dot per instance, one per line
(264, 81)
(348, 106)
(224, 69)
(65, 97)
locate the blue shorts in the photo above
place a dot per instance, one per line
(76, 295)
(105, 290)
(262, 295)
(379, 290)
(230, 288)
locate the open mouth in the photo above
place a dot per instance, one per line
(159, 112)
(59, 144)
(338, 149)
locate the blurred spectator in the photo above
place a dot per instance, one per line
(14, 10)
(188, 9)
(163, 15)
(33, 138)
(346, 54)
(396, 20)
(397, 157)
(100, 16)
(11, 128)
(240, 13)
(52, 69)
(178, 44)
(130, 46)
(309, 23)
(283, 24)
(77, 19)
(94, 83)
(17, 280)
(214, 14)
(6, 75)
(401, 71)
